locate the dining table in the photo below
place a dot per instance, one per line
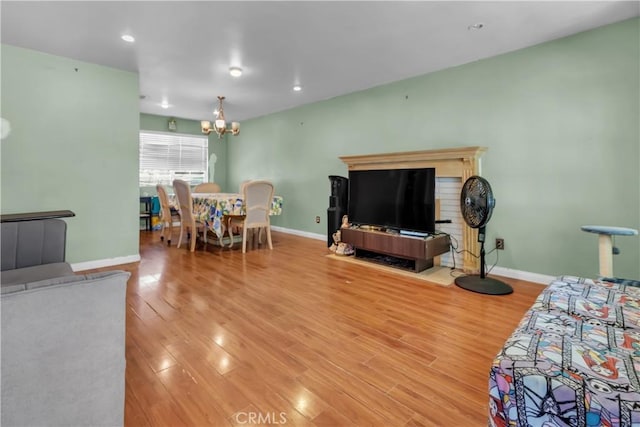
(211, 208)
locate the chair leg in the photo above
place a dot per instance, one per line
(166, 233)
(194, 237)
(182, 227)
(244, 240)
(269, 237)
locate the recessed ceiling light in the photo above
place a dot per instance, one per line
(297, 88)
(477, 26)
(128, 38)
(164, 105)
(235, 71)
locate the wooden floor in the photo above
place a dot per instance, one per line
(291, 337)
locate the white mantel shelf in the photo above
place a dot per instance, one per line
(459, 162)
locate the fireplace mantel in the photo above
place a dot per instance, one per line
(460, 162)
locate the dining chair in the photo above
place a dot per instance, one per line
(231, 220)
(167, 214)
(258, 196)
(207, 187)
(188, 222)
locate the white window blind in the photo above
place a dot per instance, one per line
(165, 157)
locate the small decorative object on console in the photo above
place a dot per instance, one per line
(336, 241)
(339, 247)
(344, 249)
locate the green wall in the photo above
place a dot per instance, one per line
(217, 146)
(561, 121)
(73, 145)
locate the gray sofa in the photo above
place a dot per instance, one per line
(63, 334)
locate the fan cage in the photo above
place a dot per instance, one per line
(476, 202)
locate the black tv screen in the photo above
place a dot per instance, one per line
(401, 199)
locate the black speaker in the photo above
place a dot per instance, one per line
(338, 205)
(340, 190)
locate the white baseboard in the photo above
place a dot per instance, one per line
(299, 233)
(542, 279)
(100, 263)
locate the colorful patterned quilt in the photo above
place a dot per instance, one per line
(573, 360)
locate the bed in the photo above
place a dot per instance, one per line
(573, 360)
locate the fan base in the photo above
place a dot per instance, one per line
(486, 286)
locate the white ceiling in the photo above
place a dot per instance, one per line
(183, 50)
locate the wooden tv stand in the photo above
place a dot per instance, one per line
(397, 250)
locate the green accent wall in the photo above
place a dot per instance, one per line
(560, 120)
(73, 145)
(217, 146)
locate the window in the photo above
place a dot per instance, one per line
(165, 157)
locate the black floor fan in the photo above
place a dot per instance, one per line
(476, 205)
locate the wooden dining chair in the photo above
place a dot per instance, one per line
(233, 220)
(207, 187)
(188, 222)
(258, 196)
(167, 214)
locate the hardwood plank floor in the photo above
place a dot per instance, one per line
(294, 338)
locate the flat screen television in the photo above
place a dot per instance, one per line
(399, 199)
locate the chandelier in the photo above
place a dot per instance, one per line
(220, 124)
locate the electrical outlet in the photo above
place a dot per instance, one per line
(500, 244)
(317, 220)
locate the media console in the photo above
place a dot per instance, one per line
(397, 250)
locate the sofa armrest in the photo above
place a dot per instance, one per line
(29, 243)
(63, 351)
